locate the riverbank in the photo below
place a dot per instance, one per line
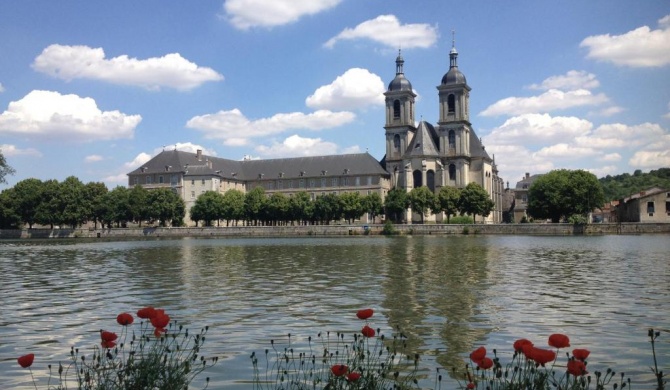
(344, 230)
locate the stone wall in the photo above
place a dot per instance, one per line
(344, 230)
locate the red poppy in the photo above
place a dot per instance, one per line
(108, 344)
(485, 363)
(368, 331)
(158, 331)
(353, 376)
(470, 386)
(581, 354)
(339, 369)
(558, 340)
(518, 345)
(576, 367)
(26, 361)
(146, 312)
(108, 336)
(364, 314)
(124, 319)
(539, 355)
(478, 354)
(160, 319)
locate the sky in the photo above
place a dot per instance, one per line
(96, 89)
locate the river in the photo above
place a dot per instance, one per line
(449, 294)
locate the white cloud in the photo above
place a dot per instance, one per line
(530, 129)
(604, 171)
(138, 160)
(574, 79)
(83, 62)
(641, 47)
(607, 111)
(116, 179)
(93, 158)
(611, 157)
(549, 101)
(49, 114)
(617, 135)
(186, 147)
(515, 160)
(387, 30)
(645, 159)
(296, 146)
(356, 88)
(11, 150)
(245, 14)
(667, 116)
(566, 151)
(233, 125)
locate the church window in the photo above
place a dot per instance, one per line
(396, 142)
(396, 109)
(417, 178)
(452, 172)
(451, 103)
(430, 180)
(452, 139)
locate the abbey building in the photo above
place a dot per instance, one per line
(448, 153)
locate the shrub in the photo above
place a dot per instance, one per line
(388, 229)
(461, 220)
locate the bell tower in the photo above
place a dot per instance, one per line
(399, 114)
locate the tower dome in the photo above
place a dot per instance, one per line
(399, 83)
(453, 76)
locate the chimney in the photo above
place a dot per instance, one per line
(198, 154)
(527, 175)
(209, 164)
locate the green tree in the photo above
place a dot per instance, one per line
(9, 219)
(138, 204)
(352, 206)
(233, 206)
(208, 207)
(254, 204)
(27, 197)
(447, 199)
(73, 201)
(277, 208)
(301, 207)
(422, 200)
(50, 209)
(119, 209)
(327, 208)
(562, 193)
(5, 169)
(396, 204)
(475, 201)
(95, 195)
(165, 205)
(373, 205)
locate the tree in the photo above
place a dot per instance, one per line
(72, 200)
(138, 204)
(395, 204)
(301, 207)
(208, 207)
(277, 208)
(422, 200)
(475, 201)
(165, 205)
(119, 209)
(254, 202)
(95, 195)
(352, 206)
(373, 205)
(49, 212)
(327, 208)
(562, 193)
(27, 197)
(9, 219)
(5, 169)
(233, 206)
(447, 199)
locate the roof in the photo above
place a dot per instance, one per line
(190, 164)
(646, 193)
(424, 141)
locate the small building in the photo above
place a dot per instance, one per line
(652, 205)
(521, 196)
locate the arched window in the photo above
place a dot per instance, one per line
(417, 178)
(452, 172)
(396, 142)
(452, 139)
(430, 180)
(451, 103)
(396, 109)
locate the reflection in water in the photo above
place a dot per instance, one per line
(448, 294)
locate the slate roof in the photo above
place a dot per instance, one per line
(424, 142)
(246, 170)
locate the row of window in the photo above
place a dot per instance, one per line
(174, 179)
(316, 183)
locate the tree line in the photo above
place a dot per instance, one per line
(72, 203)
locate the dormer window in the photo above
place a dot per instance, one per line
(302, 173)
(346, 171)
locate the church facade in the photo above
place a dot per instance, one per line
(448, 153)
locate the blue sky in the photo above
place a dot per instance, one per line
(95, 89)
